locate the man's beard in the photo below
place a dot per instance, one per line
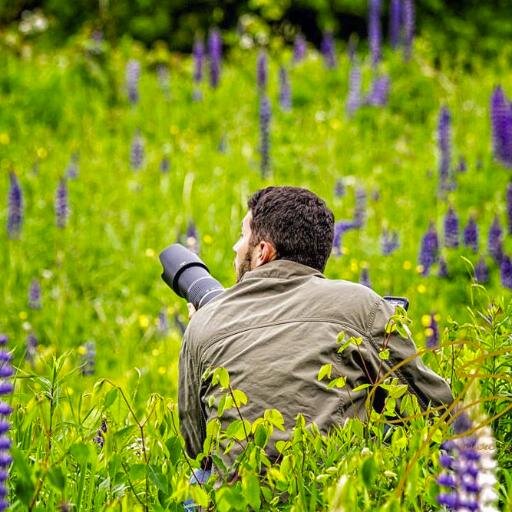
(245, 266)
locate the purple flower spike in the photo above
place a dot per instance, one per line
(5, 410)
(352, 47)
(339, 188)
(328, 50)
(380, 91)
(389, 242)
(34, 295)
(215, 56)
(285, 95)
(408, 27)
(265, 116)
(443, 268)
(462, 166)
(340, 228)
(429, 250)
(374, 31)
(72, 169)
(132, 80)
(262, 70)
(501, 120)
(165, 165)
(31, 347)
(395, 22)
(451, 229)
(354, 89)
(495, 241)
(15, 215)
(471, 235)
(432, 333)
(509, 208)
(364, 279)
(89, 358)
(61, 204)
(137, 151)
(360, 209)
(506, 272)
(198, 52)
(444, 142)
(299, 48)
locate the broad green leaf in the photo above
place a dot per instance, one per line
(325, 371)
(275, 418)
(80, 452)
(340, 382)
(361, 387)
(137, 472)
(237, 429)
(240, 397)
(251, 489)
(110, 397)
(199, 496)
(384, 354)
(221, 376)
(369, 471)
(57, 478)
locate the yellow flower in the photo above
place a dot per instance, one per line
(207, 239)
(354, 267)
(70, 390)
(420, 269)
(41, 153)
(155, 352)
(407, 265)
(345, 250)
(421, 288)
(150, 253)
(437, 317)
(429, 332)
(4, 138)
(23, 315)
(143, 321)
(82, 350)
(425, 320)
(162, 370)
(335, 124)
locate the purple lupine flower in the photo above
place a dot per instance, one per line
(495, 240)
(408, 27)
(340, 228)
(31, 347)
(360, 208)
(354, 88)
(89, 358)
(429, 249)
(506, 271)
(443, 268)
(132, 80)
(285, 95)
(501, 120)
(444, 142)
(99, 438)
(352, 47)
(395, 22)
(15, 215)
(34, 295)
(215, 56)
(328, 50)
(299, 48)
(462, 166)
(469, 468)
(265, 116)
(471, 234)
(72, 169)
(364, 278)
(451, 229)
(509, 208)
(137, 151)
(374, 31)
(339, 188)
(165, 164)
(192, 238)
(198, 52)
(432, 332)
(482, 272)
(380, 91)
(389, 242)
(163, 321)
(6, 387)
(61, 204)
(262, 70)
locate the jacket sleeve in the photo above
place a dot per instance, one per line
(428, 386)
(192, 422)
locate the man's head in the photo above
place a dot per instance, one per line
(288, 223)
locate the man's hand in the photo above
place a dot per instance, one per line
(191, 309)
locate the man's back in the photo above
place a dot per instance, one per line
(273, 331)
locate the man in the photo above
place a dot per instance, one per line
(278, 325)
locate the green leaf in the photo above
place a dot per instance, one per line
(340, 382)
(262, 434)
(199, 496)
(110, 397)
(137, 472)
(157, 477)
(251, 489)
(325, 371)
(275, 418)
(361, 387)
(240, 397)
(369, 471)
(173, 445)
(384, 354)
(221, 376)
(80, 452)
(237, 429)
(57, 478)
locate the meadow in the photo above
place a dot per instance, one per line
(110, 154)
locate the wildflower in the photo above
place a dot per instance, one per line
(495, 241)
(429, 250)
(31, 347)
(132, 80)
(509, 208)
(262, 70)
(339, 188)
(34, 295)
(451, 229)
(61, 204)
(6, 387)
(328, 51)
(433, 332)
(340, 228)
(99, 438)
(501, 120)
(354, 88)
(444, 142)
(265, 116)
(506, 272)
(364, 278)
(352, 47)
(389, 242)
(137, 151)
(192, 239)
(89, 358)
(285, 96)
(72, 169)
(215, 55)
(299, 48)
(471, 234)
(482, 272)
(408, 27)
(462, 166)
(395, 22)
(198, 52)
(380, 91)
(15, 215)
(443, 268)
(360, 209)
(165, 164)
(374, 31)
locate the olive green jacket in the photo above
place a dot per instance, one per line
(273, 331)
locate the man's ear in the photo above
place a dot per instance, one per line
(265, 252)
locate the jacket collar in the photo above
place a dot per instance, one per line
(283, 269)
